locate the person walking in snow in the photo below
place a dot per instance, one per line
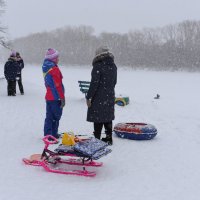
(55, 98)
(11, 68)
(19, 73)
(100, 98)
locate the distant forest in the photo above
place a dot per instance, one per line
(171, 47)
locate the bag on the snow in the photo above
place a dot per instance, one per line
(90, 147)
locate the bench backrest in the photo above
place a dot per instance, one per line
(84, 86)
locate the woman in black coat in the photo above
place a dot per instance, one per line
(10, 71)
(101, 95)
(19, 73)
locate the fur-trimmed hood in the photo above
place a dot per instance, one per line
(103, 56)
(12, 59)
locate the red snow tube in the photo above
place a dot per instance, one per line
(135, 131)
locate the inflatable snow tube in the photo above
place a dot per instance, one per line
(122, 101)
(135, 131)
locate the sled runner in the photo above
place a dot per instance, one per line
(81, 155)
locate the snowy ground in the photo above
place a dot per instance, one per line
(165, 168)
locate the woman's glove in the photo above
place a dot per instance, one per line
(88, 102)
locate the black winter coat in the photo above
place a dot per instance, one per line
(21, 65)
(102, 89)
(11, 69)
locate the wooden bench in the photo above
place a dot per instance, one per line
(84, 86)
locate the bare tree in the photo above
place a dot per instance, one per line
(2, 28)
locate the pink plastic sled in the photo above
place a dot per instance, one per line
(53, 162)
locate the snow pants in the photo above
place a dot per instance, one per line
(19, 81)
(11, 88)
(53, 115)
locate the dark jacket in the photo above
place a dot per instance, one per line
(102, 89)
(11, 69)
(21, 64)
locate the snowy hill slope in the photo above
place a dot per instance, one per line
(165, 168)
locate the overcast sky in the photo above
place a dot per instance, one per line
(23, 17)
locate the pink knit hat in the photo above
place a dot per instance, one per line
(51, 54)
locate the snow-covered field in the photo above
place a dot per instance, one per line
(165, 168)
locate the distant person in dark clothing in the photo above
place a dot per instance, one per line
(10, 71)
(19, 73)
(100, 98)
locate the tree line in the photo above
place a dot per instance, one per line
(171, 47)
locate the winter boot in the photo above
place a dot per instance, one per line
(108, 139)
(97, 135)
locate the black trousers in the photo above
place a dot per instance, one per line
(98, 128)
(11, 88)
(21, 88)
